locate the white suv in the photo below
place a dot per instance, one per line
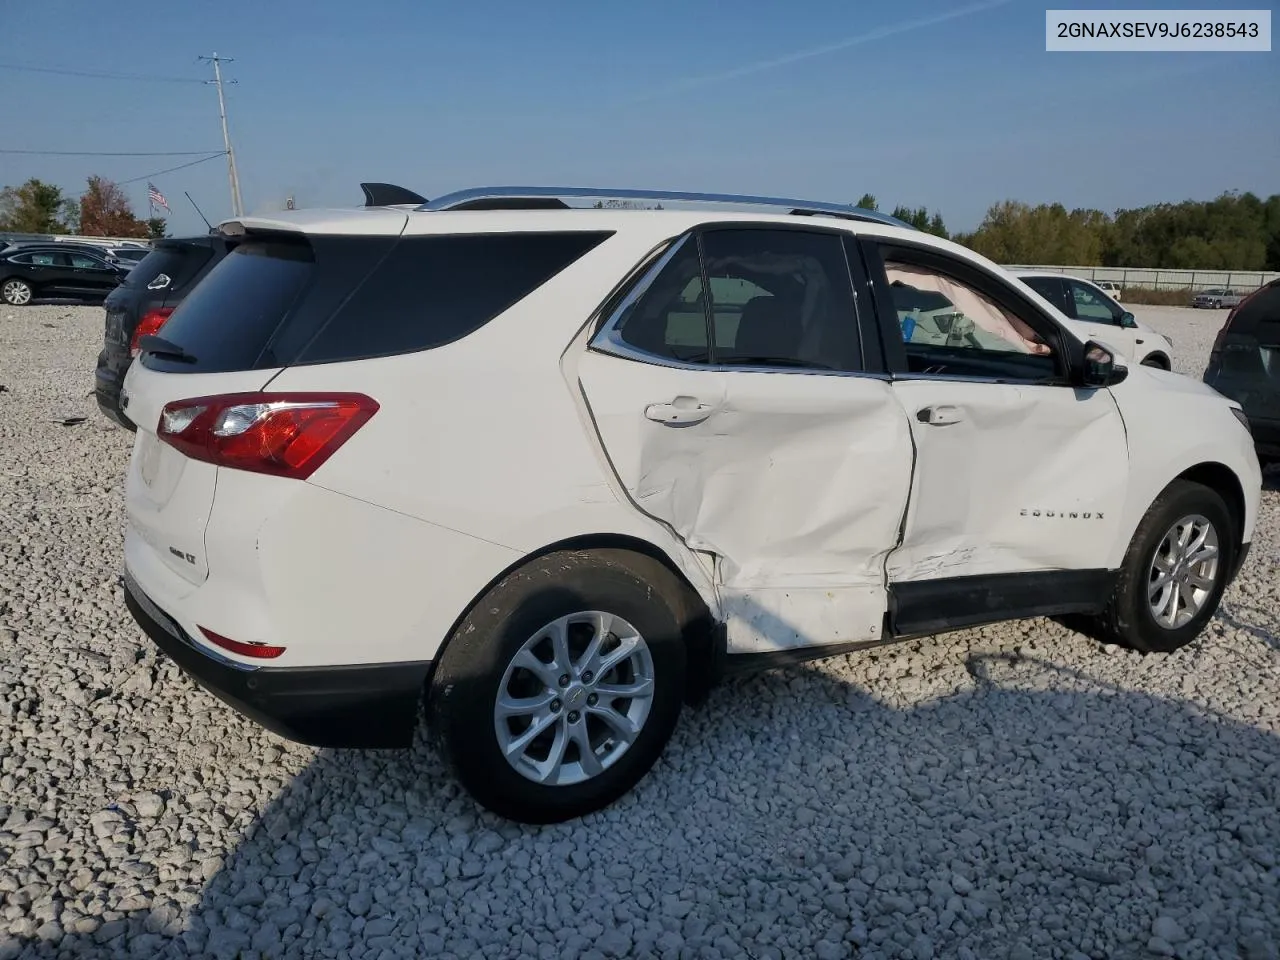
(552, 471)
(1085, 302)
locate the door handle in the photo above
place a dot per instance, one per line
(681, 411)
(939, 416)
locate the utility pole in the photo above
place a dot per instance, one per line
(237, 208)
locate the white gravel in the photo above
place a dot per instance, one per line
(1014, 791)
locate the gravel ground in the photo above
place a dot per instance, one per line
(1015, 791)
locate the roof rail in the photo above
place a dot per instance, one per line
(388, 194)
(544, 198)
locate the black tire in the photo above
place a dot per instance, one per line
(1127, 619)
(1155, 360)
(466, 682)
(10, 292)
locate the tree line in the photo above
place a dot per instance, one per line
(102, 210)
(1235, 231)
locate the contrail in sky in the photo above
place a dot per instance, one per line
(879, 33)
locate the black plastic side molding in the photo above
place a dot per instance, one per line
(922, 607)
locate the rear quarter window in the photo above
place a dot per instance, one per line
(323, 299)
(433, 290)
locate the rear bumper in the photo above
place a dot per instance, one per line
(365, 705)
(107, 383)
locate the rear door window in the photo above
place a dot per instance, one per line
(665, 314)
(780, 298)
(86, 262)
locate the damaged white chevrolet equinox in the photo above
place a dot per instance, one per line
(550, 470)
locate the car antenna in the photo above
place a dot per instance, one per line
(202, 216)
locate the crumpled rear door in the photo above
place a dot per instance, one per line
(796, 482)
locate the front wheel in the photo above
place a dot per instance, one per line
(562, 686)
(1174, 572)
(16, 293)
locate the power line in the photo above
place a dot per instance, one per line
(102, 153)
(181, 166)
(96, 75)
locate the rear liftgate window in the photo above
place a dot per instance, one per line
(331, 299)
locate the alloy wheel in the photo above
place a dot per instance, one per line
(574, 698)
(17, 293)
(1184, 571)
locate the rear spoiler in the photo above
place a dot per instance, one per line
(388, 194)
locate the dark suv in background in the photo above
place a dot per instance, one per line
(1245, 366)
(151, 291)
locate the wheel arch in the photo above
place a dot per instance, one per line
(1157, 358)
(704, 636)
(1221, 479)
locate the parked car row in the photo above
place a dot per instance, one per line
(33, 270)
(554, 471)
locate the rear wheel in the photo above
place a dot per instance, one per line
(560, 689)
(1174, 572)
(1155, 360)
(15, 292)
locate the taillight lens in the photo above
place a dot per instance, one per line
(1226, 324)
(282, 434)
(149, 326)
(261, 651)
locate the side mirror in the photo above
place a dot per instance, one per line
(1127, 320)
(1100, 369)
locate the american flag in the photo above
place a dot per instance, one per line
(154, 196)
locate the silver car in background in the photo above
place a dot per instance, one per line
(1217, 297)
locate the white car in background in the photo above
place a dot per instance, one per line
(1109, 287)
(1084, 301)
(552, 471)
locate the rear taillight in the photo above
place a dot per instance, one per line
(1222, 335)
(149, 326)
(282, 434)
(261, 651)
(1226, 324)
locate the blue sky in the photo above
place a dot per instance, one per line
(953, 104)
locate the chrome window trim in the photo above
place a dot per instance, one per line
(965, 378)
(615, 347)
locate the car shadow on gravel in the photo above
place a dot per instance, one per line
(1018, 809)
(1259, 622)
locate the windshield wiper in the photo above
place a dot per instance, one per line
(164, 348)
